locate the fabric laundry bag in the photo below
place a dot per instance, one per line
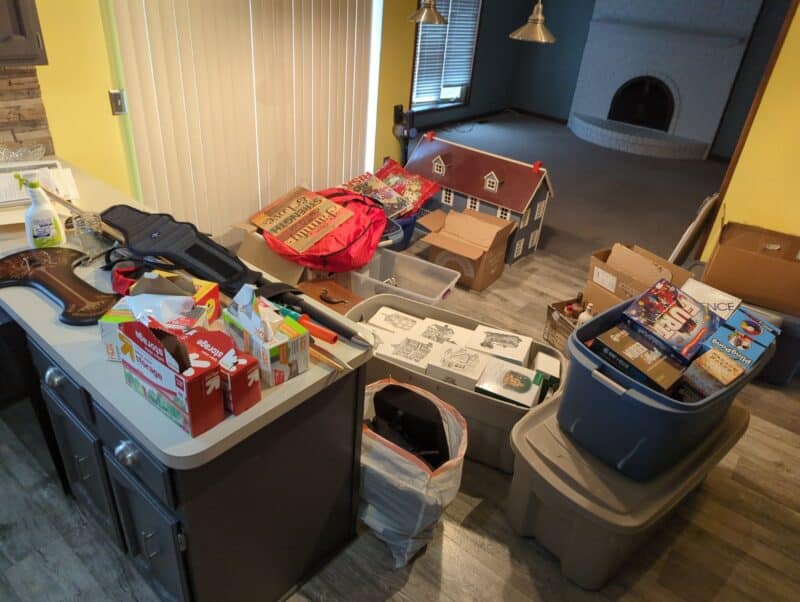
(402, 494)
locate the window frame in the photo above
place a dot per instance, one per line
(447, 193)
(504, 213)
(443, 106)
(519, 248)
(533, 240)
(526, 218)
(477, 202)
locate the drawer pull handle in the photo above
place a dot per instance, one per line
(78, 461)
(146, 537)
(126, 453)
(53, 377)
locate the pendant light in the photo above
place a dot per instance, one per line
(427, 13)
(534, 30)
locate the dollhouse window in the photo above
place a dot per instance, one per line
(503, 213)
(447, 197)
(438, 166)
(526, 217)
(473, 204)
(540, 208)
(490, 182)
(534, 239)
(518, 247)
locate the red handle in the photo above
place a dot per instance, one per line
(317, 331)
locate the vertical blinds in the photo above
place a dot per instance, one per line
(443, 61)
(234, 102)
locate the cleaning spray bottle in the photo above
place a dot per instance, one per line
(42, 224)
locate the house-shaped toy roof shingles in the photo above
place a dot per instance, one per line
(472, 172)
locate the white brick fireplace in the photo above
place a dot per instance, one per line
(667, 66)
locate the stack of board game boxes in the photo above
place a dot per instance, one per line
(688, 342)
(488, 360)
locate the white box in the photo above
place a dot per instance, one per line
(721, 303)
(508, 381)
(394, 320)
(413, 353)
(458, 365)
(501, 343)
(442, 332)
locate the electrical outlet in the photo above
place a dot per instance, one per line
(118, 104)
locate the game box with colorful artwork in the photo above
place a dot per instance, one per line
(679, 322)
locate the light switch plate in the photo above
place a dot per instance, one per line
(118, 104)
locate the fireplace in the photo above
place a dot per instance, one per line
(655, 76)
(644, 101)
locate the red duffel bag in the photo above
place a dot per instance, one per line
(348, 247)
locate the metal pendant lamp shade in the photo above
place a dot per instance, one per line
(534, 30)
(427, 13)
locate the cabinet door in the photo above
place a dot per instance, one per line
(80, 451)
(152, 534)
(20, 34)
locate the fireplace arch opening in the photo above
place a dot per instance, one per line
(645, 101)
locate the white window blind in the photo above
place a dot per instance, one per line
(443, 61)
(234, 102)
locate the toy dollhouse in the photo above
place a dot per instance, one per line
(474, 180)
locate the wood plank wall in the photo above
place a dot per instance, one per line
(23, 121)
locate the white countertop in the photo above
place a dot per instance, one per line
(77, 349)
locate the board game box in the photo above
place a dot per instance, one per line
(458, 365)
(501, 343)
(679, 322)
(507, 381)
(368, 185)
(442, 332)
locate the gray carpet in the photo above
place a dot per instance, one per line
(602, 196)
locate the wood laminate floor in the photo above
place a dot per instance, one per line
(736, 538)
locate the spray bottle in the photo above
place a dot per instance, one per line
(42, 224)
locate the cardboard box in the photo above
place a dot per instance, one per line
(171, 374)
(412, 353)
(623, 272)
(470, 242)
(510, 346)
(204, 292)
(721, 303)
(709, 373)
(760, 266)
(241, 383)
(638, 358)
(458, 365)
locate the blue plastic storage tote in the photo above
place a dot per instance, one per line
(623, 422)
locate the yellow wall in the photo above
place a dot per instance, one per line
(394, 84)
(75, 87)
(763, 190)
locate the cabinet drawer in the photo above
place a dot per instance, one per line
(60, 384)
(152, 534)
(83, 462)
(130, 455)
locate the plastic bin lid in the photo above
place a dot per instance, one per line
(602, 494)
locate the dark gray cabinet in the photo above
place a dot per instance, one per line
(152, 535)
(20, 34)
(83, 461)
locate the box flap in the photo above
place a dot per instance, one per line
(454, 244)
(254, 249)
(434, 221)
(679, 274)
(469, 229)
(635, 265)
(761, 241)
(503, 226)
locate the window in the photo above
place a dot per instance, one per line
(444, 53)
(503, 213)
(289, 71)
(490, 182)
(438, 166)
(447, 197)
(473, 204)
(526, 217)
(534, 239)
(540, 207)
(518, 247)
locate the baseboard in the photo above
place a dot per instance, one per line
(538, 115)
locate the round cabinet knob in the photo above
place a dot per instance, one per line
(53, 377)
(126, 453)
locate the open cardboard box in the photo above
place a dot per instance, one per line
(470, 242)
(623, 272)
(760, 266)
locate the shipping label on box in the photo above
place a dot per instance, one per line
(172, 376)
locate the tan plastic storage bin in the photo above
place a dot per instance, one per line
(489, 420)
(587, 514)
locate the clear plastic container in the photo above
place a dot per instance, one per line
(404, 275)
